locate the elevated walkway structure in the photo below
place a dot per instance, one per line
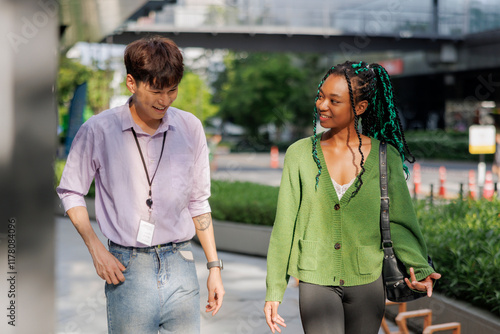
(446, 37)
(445, 51)
(312, 26)
(261, 38)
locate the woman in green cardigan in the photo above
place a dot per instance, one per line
(327, 228)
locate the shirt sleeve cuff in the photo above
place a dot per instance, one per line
(198, 208)
(72, 200)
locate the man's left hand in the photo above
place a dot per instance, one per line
(215, 291)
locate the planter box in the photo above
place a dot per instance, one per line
(242, 238)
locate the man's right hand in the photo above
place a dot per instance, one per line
(107, 265)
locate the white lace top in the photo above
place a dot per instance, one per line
(341, 189)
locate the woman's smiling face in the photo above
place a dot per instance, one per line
(334, 104)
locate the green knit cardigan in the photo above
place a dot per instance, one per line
(321, 240)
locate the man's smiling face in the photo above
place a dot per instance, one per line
(151, 103)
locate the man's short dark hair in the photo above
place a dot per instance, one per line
(154, 60)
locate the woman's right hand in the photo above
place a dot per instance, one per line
(273, 319)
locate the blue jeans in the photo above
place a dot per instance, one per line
(160, 294)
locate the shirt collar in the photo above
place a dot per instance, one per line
(128, 122)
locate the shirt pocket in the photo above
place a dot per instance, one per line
(308, 253)
(369, 259)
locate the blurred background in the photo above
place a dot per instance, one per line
(252, 70)
(255, 65)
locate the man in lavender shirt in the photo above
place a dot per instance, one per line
(152, 177)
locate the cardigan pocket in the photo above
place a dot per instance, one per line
(369, 259)
(308, 251)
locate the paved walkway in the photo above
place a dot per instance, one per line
(81, 305)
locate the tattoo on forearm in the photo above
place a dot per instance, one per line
(203, 221)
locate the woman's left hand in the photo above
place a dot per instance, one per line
(423, 285)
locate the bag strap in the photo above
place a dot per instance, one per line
(384, 198)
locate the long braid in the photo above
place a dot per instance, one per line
(315, 122)
(392, 130)
(356, 118)
(315, 143)
(412, 160)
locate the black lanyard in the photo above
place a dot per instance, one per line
(149, 201)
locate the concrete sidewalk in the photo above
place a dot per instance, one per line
(81, 304)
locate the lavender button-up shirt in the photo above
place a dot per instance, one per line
(105, 149)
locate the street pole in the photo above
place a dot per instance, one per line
(481, 175)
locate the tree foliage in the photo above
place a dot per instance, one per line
(99, 90)
(267, 88)
(195, 97)
(71, 74)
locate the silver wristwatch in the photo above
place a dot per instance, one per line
(217, 263)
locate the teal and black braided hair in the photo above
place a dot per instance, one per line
(380, 120)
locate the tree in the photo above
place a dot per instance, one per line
(99, 90)
(195, 97)
(267, 88)
(72, 74)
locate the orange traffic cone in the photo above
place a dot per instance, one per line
(417, 178)
(275, 157)
(442, 180)
(472, 184)
(488, 189)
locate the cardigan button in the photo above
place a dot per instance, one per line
(337, 246)
(341, 282)
(336, 207)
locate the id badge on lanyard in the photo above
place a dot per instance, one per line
(147, 226)
(145, 234)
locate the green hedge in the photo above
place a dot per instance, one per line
(244, 202)
(463, 239)
(58, 169)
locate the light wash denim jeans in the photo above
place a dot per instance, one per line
(160, 294)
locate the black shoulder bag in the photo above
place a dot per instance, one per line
(393, 271)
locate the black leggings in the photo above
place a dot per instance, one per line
(342, 310)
